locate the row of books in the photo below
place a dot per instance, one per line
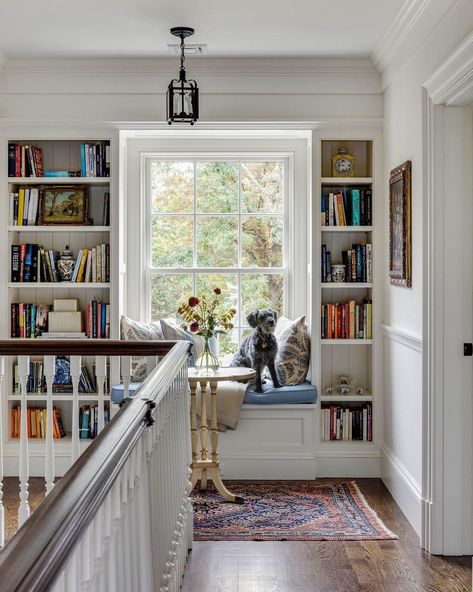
(28, 320)
(95, 159)
(98, 320)
(351, 207)
(358, 262)
(92, 265)
(88, 420)
(36, 423)
(32, 263)
(26, 206)
(36, 383)
(25, 161)
(345, 424)
(351, 320)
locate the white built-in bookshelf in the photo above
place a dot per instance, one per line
(62, 155)
(338, 353)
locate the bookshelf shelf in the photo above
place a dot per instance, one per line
(59, 228)
(59, 180)
(346, 180)
(58, 285)
(346, 228)
(346, 398)
(346, 341)
(59, 397)
(345, 285)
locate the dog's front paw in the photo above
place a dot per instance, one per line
(277, 384)
(258, 390)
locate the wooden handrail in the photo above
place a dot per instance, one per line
(83, 347)
(37, 554)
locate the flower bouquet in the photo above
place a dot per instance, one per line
(206, 318)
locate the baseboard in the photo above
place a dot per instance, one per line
(403, 487)
(351, 464)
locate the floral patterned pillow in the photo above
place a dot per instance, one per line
(293, 357)
(132, 330)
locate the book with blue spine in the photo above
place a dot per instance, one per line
(355, 207)
(82, 160)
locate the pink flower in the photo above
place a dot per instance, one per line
(194, 327)
(217, 291)
(193, 301)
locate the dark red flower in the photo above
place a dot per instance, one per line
(217, 291)
(193, 301)
(194, 327)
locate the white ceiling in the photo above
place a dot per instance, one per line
(230, 28)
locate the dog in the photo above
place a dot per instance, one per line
(260, 348)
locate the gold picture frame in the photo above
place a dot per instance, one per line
(64, 204)
(400, 226)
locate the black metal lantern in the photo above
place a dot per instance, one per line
(182, 101)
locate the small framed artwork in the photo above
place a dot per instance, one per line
(64, 204)
(400, 240)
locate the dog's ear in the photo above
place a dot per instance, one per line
(252, 319)
(275, 316)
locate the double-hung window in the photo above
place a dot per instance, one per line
(217, 222)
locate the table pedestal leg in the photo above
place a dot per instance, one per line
(194, 437)
(203, 432)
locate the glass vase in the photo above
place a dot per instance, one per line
(208, 363)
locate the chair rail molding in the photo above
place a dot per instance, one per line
(446, 131)
(405, 337)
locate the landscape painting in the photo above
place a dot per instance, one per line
(64, 205)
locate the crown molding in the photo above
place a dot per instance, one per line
(280, 67)
(414, 22)
(453, 81)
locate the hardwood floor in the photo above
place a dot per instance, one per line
(371, 566)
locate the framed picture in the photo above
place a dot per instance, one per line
(400, 242)
(64, 204)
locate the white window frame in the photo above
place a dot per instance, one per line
(238, 270)
(295, 149)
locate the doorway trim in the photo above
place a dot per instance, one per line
(450, 86)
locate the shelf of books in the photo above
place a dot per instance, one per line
(59, 270)
(346, 281)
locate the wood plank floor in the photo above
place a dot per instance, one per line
(372, 566)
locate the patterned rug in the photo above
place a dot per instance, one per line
(287, 511)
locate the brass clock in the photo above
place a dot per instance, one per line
(343, 164)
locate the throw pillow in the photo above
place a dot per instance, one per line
(132, 330)
(293, 357)
(175, 333)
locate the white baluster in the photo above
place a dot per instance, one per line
(49, 372)
(2, 511)
(76, 369)
(126, 374)
(24, 472)
(150, 364)
(100, 373)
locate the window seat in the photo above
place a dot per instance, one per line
(275, 436)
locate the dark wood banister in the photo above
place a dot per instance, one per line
(83, 347)
(37, 554)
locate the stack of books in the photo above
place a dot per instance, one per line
(88, 420)
(36, 383)
(339, 423)
(24, 161)
(358, 262)
(25, 206)
(28, 320)
(95, 159)
(36, 423)
(351, 320)
(98, 320)
(92, 265)
(351, 207)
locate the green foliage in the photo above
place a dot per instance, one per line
(217, 189)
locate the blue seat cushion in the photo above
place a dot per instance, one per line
(286, 395)
(116, 395)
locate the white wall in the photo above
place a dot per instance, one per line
(402, 84)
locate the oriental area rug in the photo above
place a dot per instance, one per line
(287, 511)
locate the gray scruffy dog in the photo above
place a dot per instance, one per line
(260, 348)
